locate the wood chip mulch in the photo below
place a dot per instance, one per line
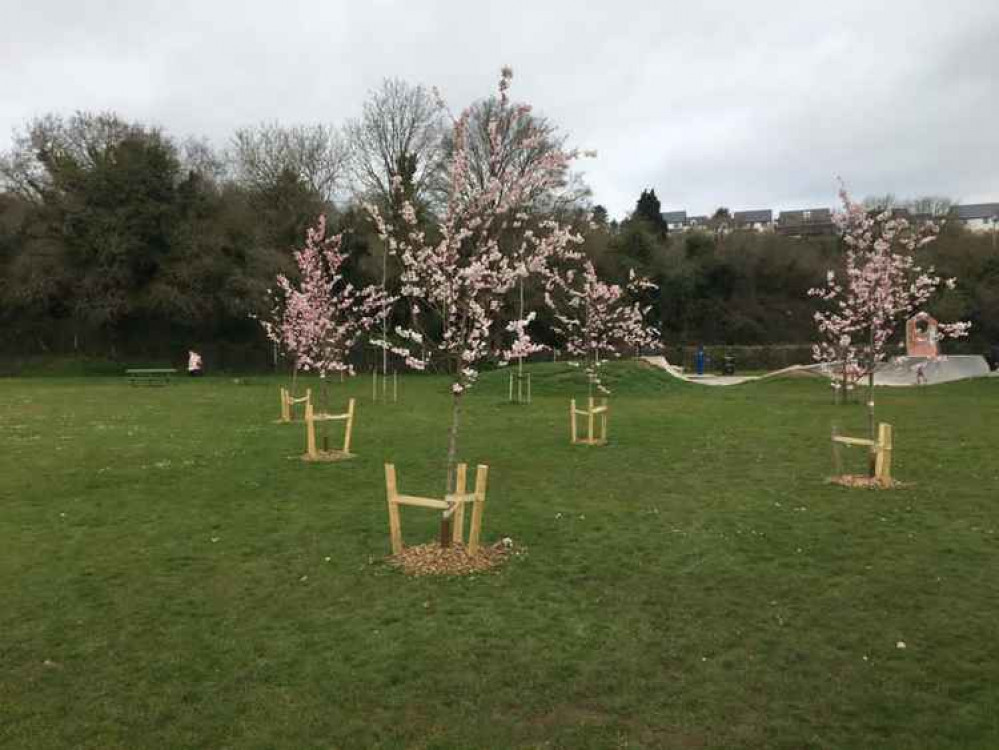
(862, 481)
(328, 456)
(434, 560)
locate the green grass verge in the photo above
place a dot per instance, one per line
(172, 576)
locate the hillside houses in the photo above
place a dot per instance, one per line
(759, 221)
(978, 217)
(806, 222)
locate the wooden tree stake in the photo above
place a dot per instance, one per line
(395, 528)
(882, 466)
(453, 507)
(880, 451)
(591, 413)
(458, 521)
(589, 419)
(310, 432)
(481, 476)
(311, 453)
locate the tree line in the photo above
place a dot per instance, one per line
(119, 240)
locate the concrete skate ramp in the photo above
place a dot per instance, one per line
(904, 371)
(707, 379)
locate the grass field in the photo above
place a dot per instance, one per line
(172, 576)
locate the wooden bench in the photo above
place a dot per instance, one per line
(150, 376)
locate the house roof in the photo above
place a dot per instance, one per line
(751, 217)
(673, 217)
(817, 215)
(977, 211)
(698, 219)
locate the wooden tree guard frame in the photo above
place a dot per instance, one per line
(520, 378)
(453, 506)
(375, 375)
(881, 450)
(288, 403)
(314, 454)
(591, 413)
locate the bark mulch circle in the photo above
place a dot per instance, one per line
(328, 456)
(862, 481)
(434, 560)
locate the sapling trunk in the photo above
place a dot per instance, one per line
(520, 360)
(325, 400)
(872, 456)
(452, 455)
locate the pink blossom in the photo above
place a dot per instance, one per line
(462, 282)
(320, 318)
(882, 286)
(595, 318)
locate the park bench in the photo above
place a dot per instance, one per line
(150, 376)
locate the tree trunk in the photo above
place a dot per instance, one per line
(452, 455)
(325, 400)
(870, 405)
(520, 360)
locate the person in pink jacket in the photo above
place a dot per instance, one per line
(193, 364)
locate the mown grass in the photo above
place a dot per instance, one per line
(172, 576)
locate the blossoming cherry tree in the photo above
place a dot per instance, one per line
(880, 287)
(319, 318)
(458, 284)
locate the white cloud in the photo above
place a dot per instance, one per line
(738, 104)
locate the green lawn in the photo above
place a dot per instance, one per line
(172, 576)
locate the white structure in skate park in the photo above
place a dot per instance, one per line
(922, 365)
(662, 363)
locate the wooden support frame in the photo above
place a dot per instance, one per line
(375, 376)
(520, 379)
(312, 453)
(288, 403)
(881, 450)
(452, 507)
(591, 412)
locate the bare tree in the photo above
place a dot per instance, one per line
(85, 138)
(934, 205)
(315, 153)
(880, 202)
(199, 156)
(527, 138)
(399, 133)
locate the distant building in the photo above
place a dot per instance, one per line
(675, 221)
(806, 222)
(760, 220)
(978, 217)
(699, 222)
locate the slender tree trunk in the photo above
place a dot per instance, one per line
(384, 313)
(870, 405)
(845, 381)
(325, 398)
(520, 360)
(452, 461)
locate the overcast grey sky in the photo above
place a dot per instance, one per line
(748, 105)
